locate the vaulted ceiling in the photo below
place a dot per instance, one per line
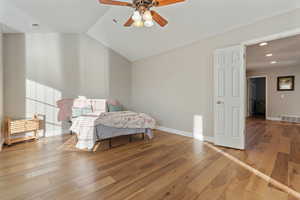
(188, 22)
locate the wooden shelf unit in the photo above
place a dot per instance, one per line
(13, 128)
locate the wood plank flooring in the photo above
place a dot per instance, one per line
(169, 167)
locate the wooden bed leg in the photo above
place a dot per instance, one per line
(130, 138)
(143, 134)
(96, 146)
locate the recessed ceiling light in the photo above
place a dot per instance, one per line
(263, 44)
(269, 55)
(273, 62)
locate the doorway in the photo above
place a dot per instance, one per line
(257, 103)
(231, 93)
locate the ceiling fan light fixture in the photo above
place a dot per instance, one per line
(143, 14)
(138, 23)
(148, 23)
(147, 16)
(136, 16)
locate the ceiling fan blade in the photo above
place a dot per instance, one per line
(116, 3)
(129, 22)
(159, 19)
(166, 2)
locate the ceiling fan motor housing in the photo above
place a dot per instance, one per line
(143, 4)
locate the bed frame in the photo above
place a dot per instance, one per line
(96, 146)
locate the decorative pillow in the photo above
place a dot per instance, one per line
(86, 110)
(113, 102)
(76, 112)
(112, 108)
(99, 105)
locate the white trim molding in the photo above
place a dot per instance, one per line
(209, 139)
(273, 118)
(174, 131)
(185, 133)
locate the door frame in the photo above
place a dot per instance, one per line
(254, 41)
(248, 96)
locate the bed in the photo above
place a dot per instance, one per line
(100, 125)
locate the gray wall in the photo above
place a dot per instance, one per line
(14, 75)
(175, 86)
(119, 78)
(279, 102)
(94, 68)
(71, 64)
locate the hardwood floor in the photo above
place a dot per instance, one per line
(169, 167)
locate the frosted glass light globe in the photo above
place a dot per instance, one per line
(139, 23)
(147, 15)
(148, 23)
(136, 16)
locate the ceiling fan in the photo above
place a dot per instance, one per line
(142, 15)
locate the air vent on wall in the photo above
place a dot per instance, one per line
(290, 118)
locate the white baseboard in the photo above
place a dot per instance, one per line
(174, 131)
(187, 134)
(273, 118)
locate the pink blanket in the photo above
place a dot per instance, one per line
(65, 109)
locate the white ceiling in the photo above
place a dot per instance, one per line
(16, 20)
(285, 51)
(188, 22)
(67, 16)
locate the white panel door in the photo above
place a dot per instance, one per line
(229, 109)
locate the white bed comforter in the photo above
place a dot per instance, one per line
(85, 126)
